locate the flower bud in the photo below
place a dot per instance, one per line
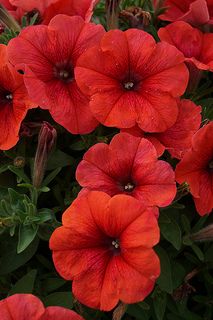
(205, 234)
(46, 142)
(112, 13)
(7, 20)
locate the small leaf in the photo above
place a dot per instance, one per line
(25, 284)
(59, 159)
(20, 173)
(27, 234)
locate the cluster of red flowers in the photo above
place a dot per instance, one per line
(86, 76)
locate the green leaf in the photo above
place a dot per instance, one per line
(165, 280)
(20, 173)
(11, 260)
(27, 234)
(61, 299)
(3, 168)
(137, 312)
(159, 302)
(59, 159)
(198, 252)
(52, 284)
(170, 230)
(50, 177)
(25, 284)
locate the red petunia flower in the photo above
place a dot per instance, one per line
(48, 54)
(128, 165)
(14, 102)
(29, 307)
(177, 139)
(196, 46)
(196, 168)
(105, 247)
(47, 9)
(132, 80)
(195, 12)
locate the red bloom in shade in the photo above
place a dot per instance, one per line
(48, 54)
(177, 139)
(50, 8)
(196, 46)
(130, 79)
(29, 307)
(196, 168)
(14, 102)
(195, 12)
(128, 165)
(105, 247)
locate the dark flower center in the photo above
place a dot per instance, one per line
(6, 97)
(210, 166)
(129, 187)
(64, 72)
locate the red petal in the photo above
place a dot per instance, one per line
(142, 232)
(21, 306)
(58, 313)
(120, 212)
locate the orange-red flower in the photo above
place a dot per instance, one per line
(177, 139)
(132, 80)
(14, 102)
(29, 307)
(128, 165)
(47, 9)
(48, 55)
(196, 168)
(196, 46)
(105, 247)
(195, 12)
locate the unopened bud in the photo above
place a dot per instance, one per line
(7, 20)
(46, 142)
(205, 234)
(112, 13)
(119, 311)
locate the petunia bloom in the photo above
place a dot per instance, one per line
(47, 9)
(29, 307)
(196, 169)
(195, 45)
(132, 80)
(128, 165)
(177, 139)
(105, 247)
(48, 55)
(195, 12)
(14, 102)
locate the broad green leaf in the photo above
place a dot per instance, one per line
(25, 284)
(11, 260)
(27, 234)
(170, 230)
(61, 299)
(59, 159)
(165, 280)
(52, 284)
(159, 302)
(50, 177)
